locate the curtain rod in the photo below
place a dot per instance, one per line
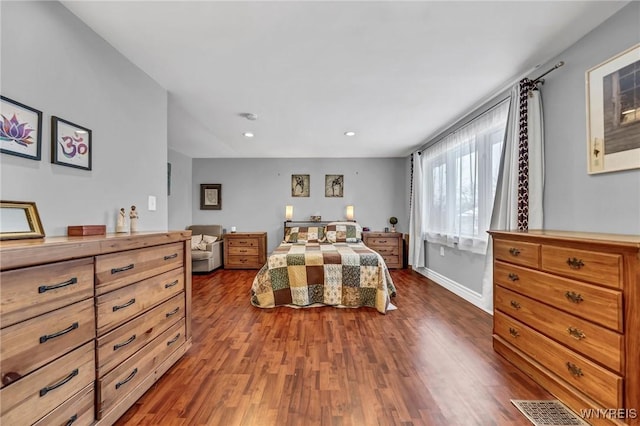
(539, 79)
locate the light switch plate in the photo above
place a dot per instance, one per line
(152, 203)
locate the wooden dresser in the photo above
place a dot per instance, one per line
(566, 313)
(88, 324)
(245, 250)
(388, 244)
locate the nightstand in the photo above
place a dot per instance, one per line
(388, 244)
(245, 250)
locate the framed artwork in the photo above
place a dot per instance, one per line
(19, 219)
(300, 185)
(70, 144)
(21, 129)
(613, 113)
(333, 185)
(210, 196)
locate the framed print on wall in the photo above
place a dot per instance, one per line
(300, 185)
(613, 113)
(210, 196)
(20, 130)
(70, 144)
(333, 185)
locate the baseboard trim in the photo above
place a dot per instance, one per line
(456, 288)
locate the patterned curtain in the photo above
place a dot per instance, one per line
(526, 86)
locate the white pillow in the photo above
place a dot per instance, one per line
(209, 239)
(195, 240)
(202, 246)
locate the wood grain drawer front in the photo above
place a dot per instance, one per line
(518, 252)
(116, 346)
(79, 410)
(379, 242)
(32, 397)
(242, 261)
(29, 292)
(243, 242)
(597, 382)
(595, 267)
(243, 250)
(117, 270)
(122, 305)
(595, 342)
(594, 303)
(115, 385)
(29, 345)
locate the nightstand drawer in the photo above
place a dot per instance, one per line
(599, 268)
(243, 250)
(518, 252)
(236, 260)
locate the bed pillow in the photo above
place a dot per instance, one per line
(343, 232)
(195, 240)
(305, 234)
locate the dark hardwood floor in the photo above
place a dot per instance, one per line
(430, 362)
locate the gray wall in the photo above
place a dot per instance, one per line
(53, 62)
(256, 191)
(180, 199)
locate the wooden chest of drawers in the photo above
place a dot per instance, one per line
(566, 312)
(388, 244)
(89, 323)
(245, 250)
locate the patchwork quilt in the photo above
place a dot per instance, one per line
(338, 274)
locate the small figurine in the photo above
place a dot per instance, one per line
(120, 225)
(133, 217)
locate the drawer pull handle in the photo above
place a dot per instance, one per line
(124, 268)
(514, 251)
(382, 241)
(243, 251)
(59, 333)
(515, 305)
(44, 288)
(173, 256)
(175, 311)
(574, 370)
(575, 263)
(171, 284)
(46, 390)
(513, 332)
(119, 345)
(71, 420)
(513, 277)
(172, 341)
(576, 333)
(574, 297)
(125, 381)
(129, 303)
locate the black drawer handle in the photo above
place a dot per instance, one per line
(129, 303)
(44, 288)
(46, 390)
(171, 284)
(173, 256)
(574, 370)
(513, 277)
(125, 381)
(172, 341)
(124, 268)
(125, 343)
(575, 263)
(514, 251)
(175, 311)
(59, 333)
(574, 297)
(72, 420)
(382, 241)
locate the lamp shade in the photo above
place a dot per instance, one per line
(288, 212)
(349, 212)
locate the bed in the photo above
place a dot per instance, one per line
(324, 265)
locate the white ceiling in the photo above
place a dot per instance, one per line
(395, 72)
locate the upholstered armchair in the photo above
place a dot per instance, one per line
(206, 247)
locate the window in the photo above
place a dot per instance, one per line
(461, 174)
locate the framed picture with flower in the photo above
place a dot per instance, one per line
(70, 144)
(21, 129)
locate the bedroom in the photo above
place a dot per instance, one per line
(127, 102)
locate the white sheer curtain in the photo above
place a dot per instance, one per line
(460, 173)
(416, 223)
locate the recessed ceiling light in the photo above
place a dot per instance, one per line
(349, 133)
(247, 134)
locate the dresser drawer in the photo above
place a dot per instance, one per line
(117, 270)
(376, 242)
(114, 347)
(243, 242)
(31, 344)
(29, 292)
(79, 410)
(243, 250)
(598, 343)
(594, 303)
(35, 395)
(599, 268)
(518, 252)
(115, 385)
(595, 381)
(241, 261)
(386, 250)
(122, 305)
